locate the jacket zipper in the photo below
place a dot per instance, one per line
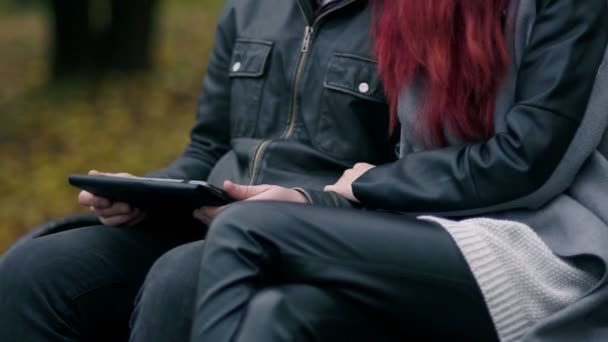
(308, 32)
(306, 41)
(256, 158)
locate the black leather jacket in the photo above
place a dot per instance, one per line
(293, 100)
(552, 81)
(289, 98)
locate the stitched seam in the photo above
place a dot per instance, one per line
(334, 196)
(352, 56)
(254, 41)
(470, 172)
(267, 48)
(345, 89)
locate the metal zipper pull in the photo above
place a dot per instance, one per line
(307, 35)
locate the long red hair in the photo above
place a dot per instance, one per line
(457, 49)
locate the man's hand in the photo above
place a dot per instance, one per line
(251, 193)
(111, 213)
(344, 185)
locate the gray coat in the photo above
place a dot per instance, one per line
(563, 194)
(572, 206)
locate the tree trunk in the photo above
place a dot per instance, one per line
(71, 53)
(124, 44)
(131, 34)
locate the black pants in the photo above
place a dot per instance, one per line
(288, 312)
(80, 285)
(386, 272)
(86, 285)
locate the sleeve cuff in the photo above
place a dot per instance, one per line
(325, 199)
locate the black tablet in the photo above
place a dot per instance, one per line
(153, 193)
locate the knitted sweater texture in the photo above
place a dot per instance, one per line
(522, 281)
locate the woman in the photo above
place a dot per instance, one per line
(491, 97)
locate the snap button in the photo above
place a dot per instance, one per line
(363, 88)
(236, 66)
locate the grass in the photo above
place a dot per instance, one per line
(130, 123)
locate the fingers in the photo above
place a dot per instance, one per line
(207, 214)
(111, 214)
(334, 187)
(116, 209)
(243, 192)
(360, 166)
(349, 176)
(130, 219)
(119, 174)
(115, 220)
(87, 199)
(280, 194)
(202, 216)
(363, 166)
(330, 188)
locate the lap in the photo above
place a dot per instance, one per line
(174, 276)
(382, 241)
(164, 306)
(81, 283)
(394, 266)
(90, 254)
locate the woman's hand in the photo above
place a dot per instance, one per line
(111, 213)
(251, 193)
(344, 185)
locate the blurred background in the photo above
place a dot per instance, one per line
(92, 84)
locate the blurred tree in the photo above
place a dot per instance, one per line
(96, 35)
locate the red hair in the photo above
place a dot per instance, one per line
(457, 49)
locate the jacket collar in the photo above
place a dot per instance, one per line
(310, 8)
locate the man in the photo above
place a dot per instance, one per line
(291, 98)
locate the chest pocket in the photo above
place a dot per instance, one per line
(353, 125)
(247, 72)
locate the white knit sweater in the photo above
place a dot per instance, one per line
(522, 281)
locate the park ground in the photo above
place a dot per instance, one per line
(133, 123)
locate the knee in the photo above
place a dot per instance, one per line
(278, 306)
(28, 274)
(267, 303)
(174, 273)
(250, 218)
(168, 293)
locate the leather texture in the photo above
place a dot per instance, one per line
(554, 83)
(266, 101)
(407, 276)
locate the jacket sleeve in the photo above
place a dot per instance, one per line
(554, 83)
(210, 136)
(326, 198)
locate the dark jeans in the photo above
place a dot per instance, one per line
(165, 304)
(272, 272)
(287, 312)
(80, 285)
(384, 272)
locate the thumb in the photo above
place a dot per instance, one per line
(243, 192)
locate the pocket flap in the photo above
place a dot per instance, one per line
(355, 75)
(249, 58)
